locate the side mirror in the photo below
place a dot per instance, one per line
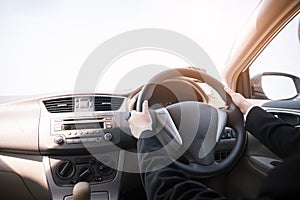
(275, 86)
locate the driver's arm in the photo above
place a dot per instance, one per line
(280, 137)
(161, 179)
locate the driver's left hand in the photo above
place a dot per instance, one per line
(140, 121)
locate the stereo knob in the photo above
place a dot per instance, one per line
(107, 136)
(59, 140)
(65, 169)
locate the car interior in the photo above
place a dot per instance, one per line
(72, 145)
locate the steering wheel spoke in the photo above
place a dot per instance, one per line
(222, 121)
(164, 118)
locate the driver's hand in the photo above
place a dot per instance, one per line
(140, 121)
(239, 100)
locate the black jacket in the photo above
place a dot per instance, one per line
(172, 183)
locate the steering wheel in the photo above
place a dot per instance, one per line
(197, 127)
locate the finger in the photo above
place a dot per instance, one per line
(131, 104)
(132, 116)
(229, 91)
(128, 115)
(145, 107)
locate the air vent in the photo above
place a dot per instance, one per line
(60, 105)
(108, 103)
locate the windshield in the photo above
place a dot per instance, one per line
(46, 44)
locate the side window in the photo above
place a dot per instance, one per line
(280, 57)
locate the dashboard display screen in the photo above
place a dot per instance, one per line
(74, 126)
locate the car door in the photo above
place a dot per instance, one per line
(281, 59)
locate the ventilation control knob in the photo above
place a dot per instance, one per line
(65, 169)
(86, 174)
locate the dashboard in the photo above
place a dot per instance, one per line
(49, 144)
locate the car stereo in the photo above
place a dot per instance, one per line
(77, 130)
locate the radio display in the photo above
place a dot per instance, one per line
(74, 126)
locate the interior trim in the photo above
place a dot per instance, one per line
(112, 188)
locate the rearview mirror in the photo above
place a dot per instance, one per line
(275, 86)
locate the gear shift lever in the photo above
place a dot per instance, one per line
(82, 191)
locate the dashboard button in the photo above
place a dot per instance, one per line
(57, 127)
(73, 141)
(108, 126)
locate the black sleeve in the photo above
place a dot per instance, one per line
(161, 177)
(281, 138)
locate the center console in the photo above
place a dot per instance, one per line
(80, 139)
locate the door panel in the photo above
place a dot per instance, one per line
(248, 175)
(258, 161)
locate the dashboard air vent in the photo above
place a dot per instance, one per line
(108, 103)
(60, 105)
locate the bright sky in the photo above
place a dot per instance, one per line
(44, 43)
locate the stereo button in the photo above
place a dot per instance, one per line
(57, 127)
(108, 126)
(73, 141)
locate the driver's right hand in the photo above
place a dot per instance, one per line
(239, 100)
